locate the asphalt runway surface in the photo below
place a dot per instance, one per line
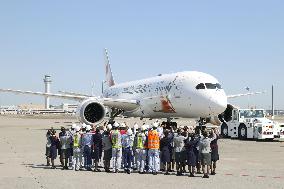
(243, 164)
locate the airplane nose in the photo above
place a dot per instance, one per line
(219, 104)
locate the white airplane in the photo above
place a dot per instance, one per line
(188, 94)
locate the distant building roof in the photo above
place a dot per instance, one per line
(31, 106)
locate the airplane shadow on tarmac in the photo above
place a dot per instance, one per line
(254, 140)
(41, 166)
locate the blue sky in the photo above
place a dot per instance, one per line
(239, 42)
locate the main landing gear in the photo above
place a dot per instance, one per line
(113, 114)
(169, 123)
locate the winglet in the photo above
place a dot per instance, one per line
(109, 77)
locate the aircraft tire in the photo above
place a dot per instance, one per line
(242, 132)
(224, 130)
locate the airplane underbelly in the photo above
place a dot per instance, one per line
(161, 107)
(167, 107)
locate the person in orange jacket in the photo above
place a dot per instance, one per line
(154, 149)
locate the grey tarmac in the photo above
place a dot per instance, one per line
(243, 164)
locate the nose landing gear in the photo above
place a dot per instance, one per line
(201, 126)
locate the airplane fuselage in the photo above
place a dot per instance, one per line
(173, 95)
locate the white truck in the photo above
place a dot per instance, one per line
(248, 124)
(279, 130)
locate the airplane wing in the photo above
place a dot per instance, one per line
(63, 96)
(73, 93)
(123, 104)
(246, 94)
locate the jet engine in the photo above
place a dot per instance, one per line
(91, 111)
(224, 117)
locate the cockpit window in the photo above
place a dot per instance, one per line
(213, 86)
(210, 86)
(200, 86)
(218, 86)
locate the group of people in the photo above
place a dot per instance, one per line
(147, 149)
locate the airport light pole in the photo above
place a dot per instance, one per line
(248, 89)
(272, 101)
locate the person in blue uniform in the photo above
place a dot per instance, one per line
(165, 145)
(127, 144)
(87, 140)
(54, 144)
(97, 146)
(190, 145)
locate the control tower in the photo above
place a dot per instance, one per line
(47, 82)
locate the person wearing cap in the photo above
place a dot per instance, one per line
(97, 147)
(135, 127)
(122, 129)
(116, 148)
(205, 152)
(77, 146)
(127, 145)
(83, 128)
(107, 147)
(135, 130)
(87, 141)
(71, 134)
(153, 149)
(140, 142)
(146, 132)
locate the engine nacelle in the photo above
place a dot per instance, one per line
(224, 117)
(91, 112)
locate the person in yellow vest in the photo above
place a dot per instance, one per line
(116, 148)
(140, 149)
(77, 154)
(154, 149)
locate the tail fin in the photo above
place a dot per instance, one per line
(109, 77)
